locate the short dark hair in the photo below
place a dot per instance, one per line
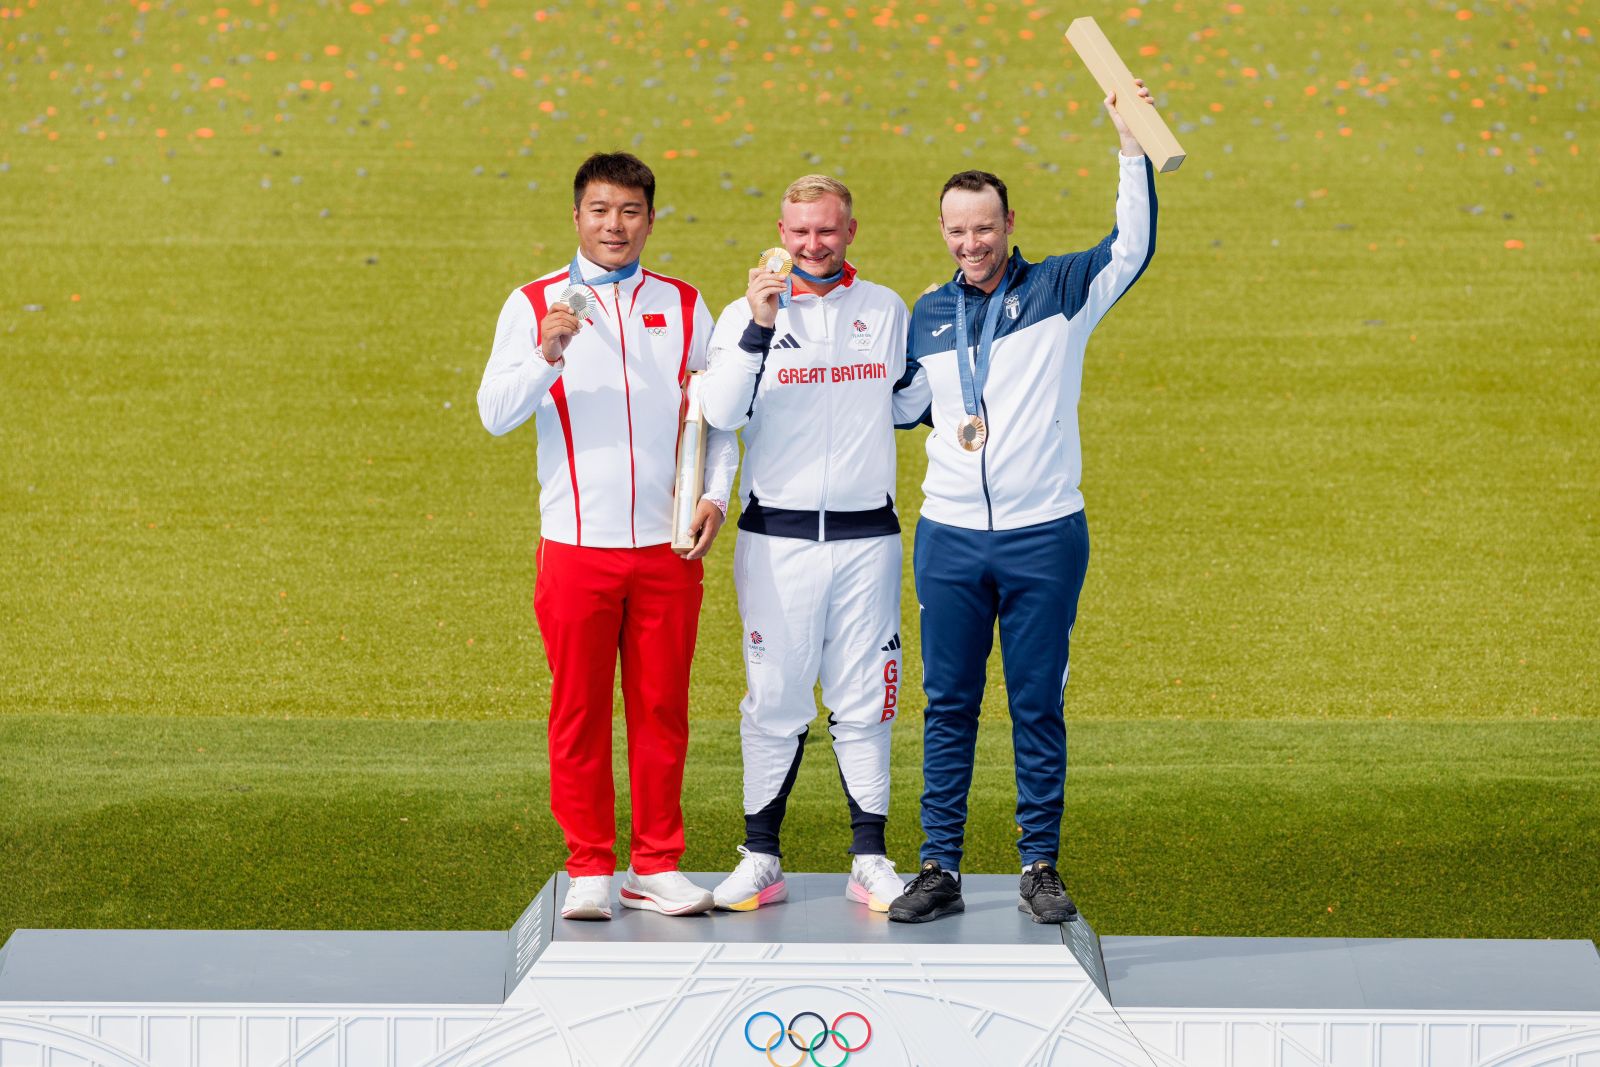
(976, 181)
(623, 169)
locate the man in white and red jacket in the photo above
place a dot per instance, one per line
(607, 394)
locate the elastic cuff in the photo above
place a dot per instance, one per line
(757, 338)
(722, 505)
(868, 838)
(764, 843)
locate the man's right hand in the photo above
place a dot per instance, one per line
(560, 325)
(762, 296)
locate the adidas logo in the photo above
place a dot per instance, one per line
(894, 643)
(787, 341)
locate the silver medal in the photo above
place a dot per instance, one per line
(578, 300)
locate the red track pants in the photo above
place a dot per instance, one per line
(592, 604)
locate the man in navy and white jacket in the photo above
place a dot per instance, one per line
(1002, 533)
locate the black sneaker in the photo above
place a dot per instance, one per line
(1043, 897)
(931, 895)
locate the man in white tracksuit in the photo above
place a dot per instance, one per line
(806, 365)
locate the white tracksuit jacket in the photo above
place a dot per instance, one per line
(818, 410)
(608, 412)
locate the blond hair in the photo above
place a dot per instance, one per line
(814, 187)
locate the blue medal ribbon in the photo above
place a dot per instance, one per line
(621, 274)
(788, 287)
(975, 374)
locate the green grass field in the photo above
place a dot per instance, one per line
(267, 652)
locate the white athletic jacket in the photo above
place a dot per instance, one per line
(1029, 469)
(816, 401)
(608, 412)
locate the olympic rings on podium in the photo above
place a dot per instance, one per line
(808, 1050)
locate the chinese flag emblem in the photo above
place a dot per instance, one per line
(656, 324)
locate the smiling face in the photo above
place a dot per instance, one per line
(613, 222)
(816, 233)
(976, 230)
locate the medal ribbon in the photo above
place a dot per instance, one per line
(976, 375)
(621, 274)
(788, 288)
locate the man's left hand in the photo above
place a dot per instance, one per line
(1130, 144)
(708, 520)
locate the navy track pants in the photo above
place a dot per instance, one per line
(1029, 579)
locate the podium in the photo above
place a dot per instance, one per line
(817, 980)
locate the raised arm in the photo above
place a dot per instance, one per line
(1091, 282)
(518, 375)
(727, 391)
(739, 350)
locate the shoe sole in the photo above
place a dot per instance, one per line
(776, 893)
(862, 895)
(641, 902)
(937, 913)
(589, 913)
(1066, 916)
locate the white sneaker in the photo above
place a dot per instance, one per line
(873, 882)
(758, 880)
(669, 892)
(588, 897)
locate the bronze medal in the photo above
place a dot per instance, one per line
(971, 433)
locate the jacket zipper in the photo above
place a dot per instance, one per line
(983, 463)
(627, 396)
(983, 407)
(827, 406)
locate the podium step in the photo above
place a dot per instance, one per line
(817, 979)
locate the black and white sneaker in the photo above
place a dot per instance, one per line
(1043, 897)
(932, 894)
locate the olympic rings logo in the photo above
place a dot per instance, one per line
(808, 1048)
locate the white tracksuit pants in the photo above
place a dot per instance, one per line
(827, 610)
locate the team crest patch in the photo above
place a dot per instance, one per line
(756, 650)
(861, 335)
(1013, 305)
(657, 325)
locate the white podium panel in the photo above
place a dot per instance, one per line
(815, 981)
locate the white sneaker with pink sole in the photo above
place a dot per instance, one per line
(756, 882)
(873, 882)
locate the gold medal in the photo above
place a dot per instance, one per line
(778, 261)
(971, 433)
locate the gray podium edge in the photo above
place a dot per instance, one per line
(484, 967)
